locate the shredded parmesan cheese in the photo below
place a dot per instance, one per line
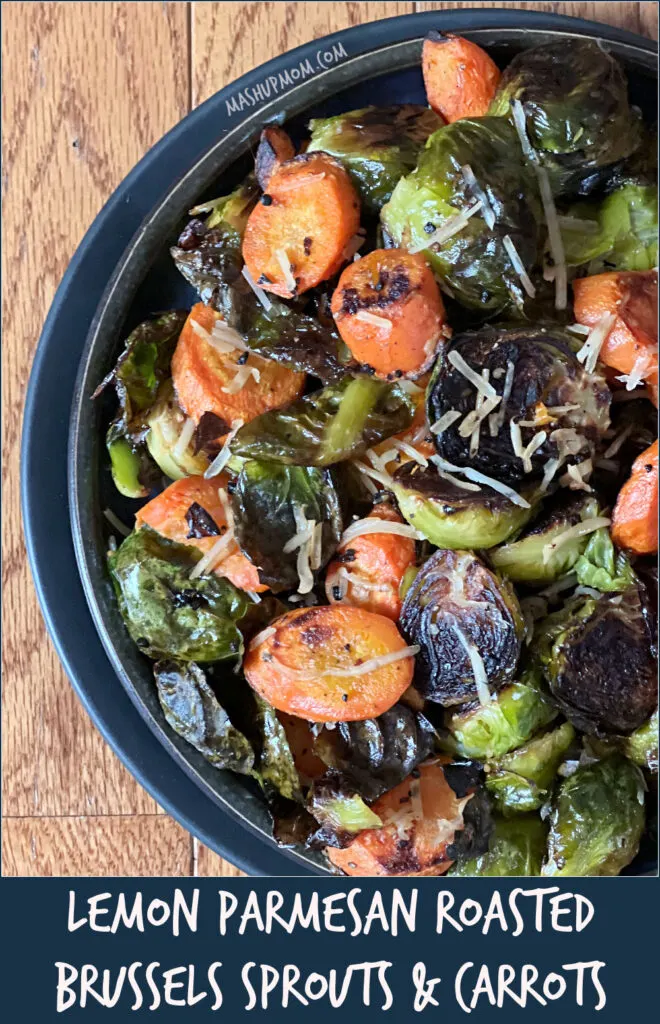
(240, 379)
(261, 637)
(476, 477)
(259, 292)
(382, 478)
(216, 554)
(596, 338)
(452, 226)
(472, 183)
(478, 668)
(458, 482)
(618, 441)
(285, 265)
(116, 522)
(316, 553)
(551, 467)
(445, 421)
(376, 321)
(366, 526)
(582, 529)
(586, 227)
(576, 476)
(496, 422)
(457, 361)
(373, 664)
(200, 331)
(224, 455)
(643, 364)
(184, 439)
(519, 266)
(226, 339)
(408, 449)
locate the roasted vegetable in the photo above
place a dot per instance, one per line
(454, 514)
(517, 847)
(597, 820)
(541, 555)
(131, 467)
(377, 754)
(167, 613)
(422, 819)
(299, 233)
(327, 426)
(597, 658)
(641, 747)
(340, 813)
(390, 313)
(574, 97)
(376, 145)
(459, 77)
(635, 519)
(601, 568)
(553, 409)
(619, 233)
(272, 505)
(460, 165)
(277, 768)
(193, 711)
(468, 625)
(508, 721)
(208, 253)
(330, 664)
(274, 149)
(165, 421)
(520, 781)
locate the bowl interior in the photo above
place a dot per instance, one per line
(147, 281)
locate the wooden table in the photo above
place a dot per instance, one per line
(87, 89)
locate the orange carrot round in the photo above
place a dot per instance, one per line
(275, 148)
(635, 517)
(420, 819)
(389, 311)
(298, 234)
(371, 567)
(167, 512)
(460, 78)
(313, 665)
(632, 343)
(200, 373)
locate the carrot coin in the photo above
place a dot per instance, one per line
(275, 148)
(635, 517)
(460, 78)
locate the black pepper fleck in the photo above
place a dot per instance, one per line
(266, 200)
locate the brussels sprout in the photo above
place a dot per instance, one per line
(164, 421)
(518, 710)
(529, 560)
(193, 711)
(327, 426)
(575, 100)
(558, 406)
(293, 338)
(517, 847)
(468, 625)
(467, 780)
(167, 613)
(520, 781)
(269, 501)
(600, 567)
(597, 820)
(126, 464)
(209, 252)
(340, 813)
(377, 145)
(376, 754)
(277, 769)
(472, 264)
(641, 747)
(620, 233)
(598, 660)
(450, 516)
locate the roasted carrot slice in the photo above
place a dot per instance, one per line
(331, 664)
(635, 517)
(420, 819)
(389, 311)
(205, 378)
(298, 234)
(367, 572)
(631, 347)
(170, 514)
(460, 78)
(275, 148)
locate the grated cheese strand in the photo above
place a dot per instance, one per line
(259, 292)
(478, 667)
(472, 183)
(260, 638)
(285, 266)
(451, 227)
(116, 522)
(184, 439)
(372, 318)
(596, 338)
(366, 526)
(458, 482)
(457, 361)
(242, 376)
(488, 481)
(445, 421)
(224, 455)
(582, 529)
(519, 266)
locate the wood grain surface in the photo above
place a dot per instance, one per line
(87, 89)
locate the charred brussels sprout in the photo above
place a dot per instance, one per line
(620, 233)
(520, 781)
(377, 145)
(574, 97)
(492, 730)
(164, 421)
(641, 747)
(468, 625)
(517, 847)
(327, 426)
(597, 820)
(292, 338)
(597, 656)
(532, 558)
(473, 263)
(271, 504)
(452, 516)
(548, 408)
(167, 613)
(603, 568)
(341, 813)
(127, 464)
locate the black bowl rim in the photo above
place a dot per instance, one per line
(522, 20)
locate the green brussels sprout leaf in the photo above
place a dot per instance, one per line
(601, 567)
(517, 847)
(520, 781)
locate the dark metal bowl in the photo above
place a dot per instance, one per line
(145, 280)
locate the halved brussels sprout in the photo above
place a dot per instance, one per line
(641, 747)
(126, 465)
(473, 264)
(327, 426)
(520, 781)
(597, 656)
(377, 145)
(619, 233)
(269, 501)
(529, 559)
(578, 118)
(451, 516)
(489, 731)
(340, 812)
(167, 613)
(561, 412)
(597, 820)
(468, 625)
(603, 568)
(164, 421)
(517, 847)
